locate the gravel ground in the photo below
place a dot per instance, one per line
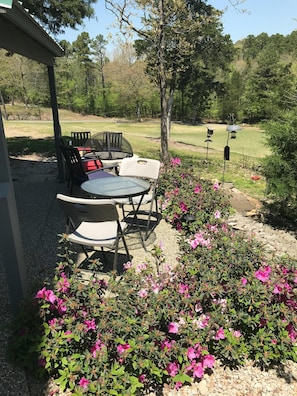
(41, 221)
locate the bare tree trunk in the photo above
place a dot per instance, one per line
(169, 113)
(4, 107)
(163, 86)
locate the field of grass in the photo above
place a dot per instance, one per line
(186, 141)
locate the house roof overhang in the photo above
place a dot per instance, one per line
(21, 34)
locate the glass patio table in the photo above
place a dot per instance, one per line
(116, 187)
(119, 187)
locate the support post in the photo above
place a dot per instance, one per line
(11, 248)
(57, 126)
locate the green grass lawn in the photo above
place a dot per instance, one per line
(186, 141)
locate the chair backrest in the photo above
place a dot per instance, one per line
(80, 138)
(88, 210)
(73, 160)
(145, 168)
(112, 141)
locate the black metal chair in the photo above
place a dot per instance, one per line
(77, 173)
(78, 139)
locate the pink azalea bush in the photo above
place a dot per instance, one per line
(166, 323)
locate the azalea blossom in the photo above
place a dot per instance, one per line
(243, 281)
(198, 370)
(172, 368)
(63, 284)
(202, 322)
(198, 189)
(199, 240)
(121, 348)
(142, 378)
(183, 207)
(216, 186)
(220, 334)
(183, 289)
(127, 265)
(61, 306)
(142, 293)
(90, 325)
(217, 214)
(191, 353)
(175, 161)
(178, 385)
(47, 295)
(84, 383)
(173, 328)
(96, 348)
(263, 273)
(140, 267)
(208, 361)
(237, 333)
(167, 344)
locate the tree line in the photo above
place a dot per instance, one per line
(254, 79)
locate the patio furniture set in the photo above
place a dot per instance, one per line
(104, 168)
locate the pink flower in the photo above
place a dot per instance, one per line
(208, 361)
(197, 189)
(183, 207)
(217, 214)
(292, 332)
(277, 289)
(173, 328)
(142, 293)
(63, 284)
(178, 385)
(123, 348)
(90, 325)
(47, 295)
(84, 382)
(198, 370)
(68, 332)
(127, 265)
(237, 333)
(52, 322)
(263, 274)
(142, 378)
(167, 344)
(155, 288)
(97, 347)
(140, 268)
(183, 289)
(172, 369)
(243, 281)
(191, 353)
(175, 161)
(199, 240)
(220, 334)
(61, 306)
(216, 186)
(202, 322)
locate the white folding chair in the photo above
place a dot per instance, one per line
(94, 222)
(148, 169)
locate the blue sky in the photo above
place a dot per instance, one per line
(268, 16)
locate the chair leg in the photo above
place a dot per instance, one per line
(116, 250)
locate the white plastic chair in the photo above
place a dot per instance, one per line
(148, 169)
(94, 222)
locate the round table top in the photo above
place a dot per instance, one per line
(116, 187)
